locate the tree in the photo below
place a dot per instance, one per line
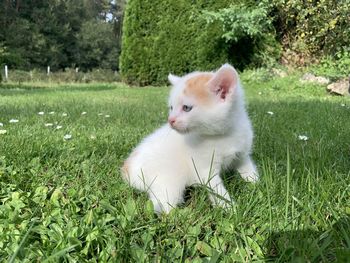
(97, 47)
(40, 33)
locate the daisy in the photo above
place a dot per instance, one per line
(107, 116)
(41, 113)
(270, 112)
(83, 113)
(3, 131)
(58, 127)
(64, 114)
(51, 112)
(67, 137)
(303, 138)
(48, 124)
(1, 124)
(13, 121)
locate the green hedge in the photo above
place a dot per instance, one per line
(169, 36)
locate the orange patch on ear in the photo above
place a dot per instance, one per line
(197, 87)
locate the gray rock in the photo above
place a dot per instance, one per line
(341, 87)
(309, 77)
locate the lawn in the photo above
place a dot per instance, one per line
(63, 199)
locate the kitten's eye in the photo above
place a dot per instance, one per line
(187, 108)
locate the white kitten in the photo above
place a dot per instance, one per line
(208, 129)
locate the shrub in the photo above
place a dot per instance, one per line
(19, 76)
(248, 31)
(313, 28)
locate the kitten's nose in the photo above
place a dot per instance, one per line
(171, 120)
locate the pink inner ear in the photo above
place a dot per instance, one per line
(224, 87)
(223, 82)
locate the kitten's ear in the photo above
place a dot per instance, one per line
(173, 79)
(224, 81)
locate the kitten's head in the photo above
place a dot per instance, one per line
(203, 102)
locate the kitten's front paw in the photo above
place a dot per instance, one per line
(160, 208)
(248, 171)
(251, 177)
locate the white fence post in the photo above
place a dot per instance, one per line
(6, 72)
(48, 70)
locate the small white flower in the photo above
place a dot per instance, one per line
(48, 124)
(41, 113)
(270, 112)
(260, 93)
(3, 131)
(93, 137)
(107, 116)
(343, 105)
(83, 113)
(303, 138)
(1, 124)
(51, 112)
(58, 127)
(100, 114)
(64, 114)
(67, 137)
(13, 121)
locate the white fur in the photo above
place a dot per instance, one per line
(196, 148)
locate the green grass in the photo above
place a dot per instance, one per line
(64, 200)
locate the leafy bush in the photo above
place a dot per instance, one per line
(313, 28)
(238, 21)
(249, 33)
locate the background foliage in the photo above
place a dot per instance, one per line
(182, 36)
(174, 36)
(72, 33)
(313, 28)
